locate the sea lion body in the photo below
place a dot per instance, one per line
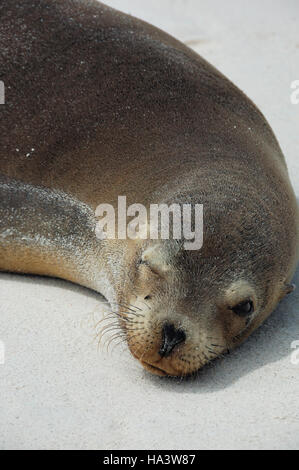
(99, 104)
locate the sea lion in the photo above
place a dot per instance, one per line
(99, 104)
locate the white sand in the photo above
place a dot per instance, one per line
(59, 391)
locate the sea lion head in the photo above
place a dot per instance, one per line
(184, 308)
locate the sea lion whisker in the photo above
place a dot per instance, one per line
(127, 314)
(115, 345)
(102, 333)
(127, 306)
(124, 317)
(108, 342)
(110, 321)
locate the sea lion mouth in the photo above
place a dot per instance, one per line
(154, 369)
(159, 370)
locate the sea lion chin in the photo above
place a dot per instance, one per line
(99, 104)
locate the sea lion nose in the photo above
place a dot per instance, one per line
(171, 337)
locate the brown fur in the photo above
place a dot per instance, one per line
(99, 104)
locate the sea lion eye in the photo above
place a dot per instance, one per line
(147, 297)
(244, 308)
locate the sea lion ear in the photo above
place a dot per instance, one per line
(155, 258)
(285, 290)
(288, 288)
